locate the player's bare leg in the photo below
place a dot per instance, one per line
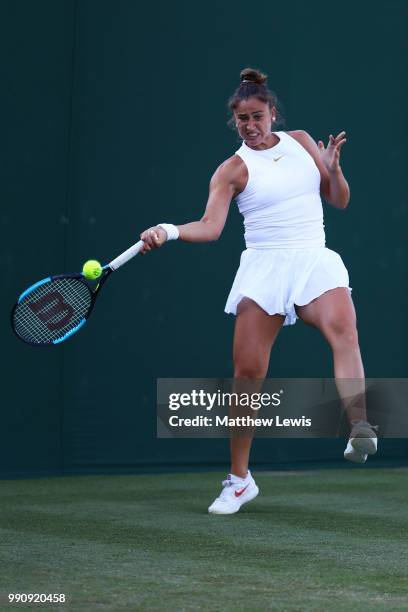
(334, 315)
(255, 333)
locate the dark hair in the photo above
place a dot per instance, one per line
(253, 85)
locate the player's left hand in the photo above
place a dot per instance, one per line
(331, 154)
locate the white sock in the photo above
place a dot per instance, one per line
(238, 479)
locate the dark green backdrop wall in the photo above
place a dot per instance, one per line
(113, 118)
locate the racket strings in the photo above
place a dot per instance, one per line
(51, 310)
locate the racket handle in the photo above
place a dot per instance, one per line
(126, 256)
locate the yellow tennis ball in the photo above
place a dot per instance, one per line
(92, 269)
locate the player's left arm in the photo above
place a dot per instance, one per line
(333, 186)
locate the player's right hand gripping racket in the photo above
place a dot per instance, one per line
(56, 307)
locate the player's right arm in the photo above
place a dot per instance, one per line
(224, 186)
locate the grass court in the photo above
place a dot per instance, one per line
(312, 541)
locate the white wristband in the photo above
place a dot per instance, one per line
(170, 229)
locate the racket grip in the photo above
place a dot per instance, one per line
(126, 256)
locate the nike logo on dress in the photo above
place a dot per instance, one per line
(240, 492)
(277, 158)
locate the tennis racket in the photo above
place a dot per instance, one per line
(53, 309)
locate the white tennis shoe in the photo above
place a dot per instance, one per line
(235, 493)
(362, 442)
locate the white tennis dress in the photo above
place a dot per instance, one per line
(286, 261)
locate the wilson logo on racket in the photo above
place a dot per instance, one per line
(51, 305)
(52, 310)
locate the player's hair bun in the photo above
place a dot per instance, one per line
(253, 76)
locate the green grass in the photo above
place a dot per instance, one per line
(317, 540)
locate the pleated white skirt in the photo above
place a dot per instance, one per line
(277, 279)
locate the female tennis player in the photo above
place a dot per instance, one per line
(286, 272)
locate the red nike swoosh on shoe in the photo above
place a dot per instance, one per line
(240, 492)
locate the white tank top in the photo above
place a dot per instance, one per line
(281, 202)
